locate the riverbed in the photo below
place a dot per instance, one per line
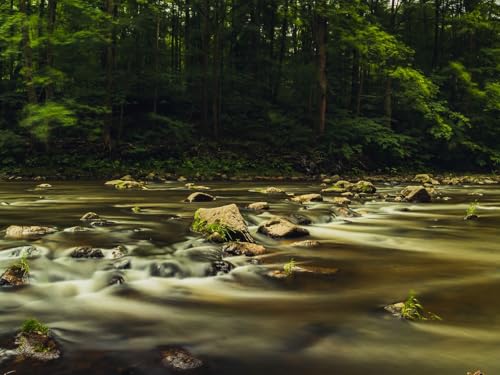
(245, 322)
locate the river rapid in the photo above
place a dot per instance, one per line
(245, 322)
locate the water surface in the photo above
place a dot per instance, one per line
(244, 322)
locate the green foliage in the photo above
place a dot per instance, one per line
(124, 91)
(472, 209)
(289, 267)
(42, 119)
(413, 310)
(34, 326)
(201, 226)
(22, 267)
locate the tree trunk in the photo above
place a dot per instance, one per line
(157, 64)
(388, 102)
(205, 41)
(110, 62)
(435, 50)
(321, 44)
(27, 53)
(51, 22)
(284, 30)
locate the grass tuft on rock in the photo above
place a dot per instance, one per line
(201, 226)
(33, 326)
(413, 310)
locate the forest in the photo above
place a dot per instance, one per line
(95, 87)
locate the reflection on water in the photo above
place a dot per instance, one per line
(243, 322)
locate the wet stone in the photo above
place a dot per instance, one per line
(90, 216)
(16, 232)
(116, 280)
(258, 206)
(37, 346)
(282, 228)
(299, 219)
(87, 253)
(14, 276)
(220, 267)
(200, 197)
(307, 243)
(166, 269)
(243, 248)
(123, 264)
(180, 359)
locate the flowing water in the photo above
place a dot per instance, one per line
(244, 322)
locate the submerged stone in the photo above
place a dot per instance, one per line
(308, 198)
(180, 359)
(87, 252)
(243, 248)
(200, 197)
(259, 206)
(281, 228)
(16, 232)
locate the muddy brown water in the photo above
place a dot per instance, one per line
(243, 322)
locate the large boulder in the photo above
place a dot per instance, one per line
(308, 198)
(16, 232)
(200, 197)
(279, 227)
(226, 221)
(243, 248)
(416, 194)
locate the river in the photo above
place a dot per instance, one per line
(244, 322)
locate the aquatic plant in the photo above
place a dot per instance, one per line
(413, 310)
(34, 326)
(289, 267)
(472, 209)
(202, 226)
(24, 265)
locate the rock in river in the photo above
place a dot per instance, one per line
(243, 248)
(87, 252)
(35, 341)
(15, 275)
(180, 359)
(416, 194)
(90, 216)
(200, 197)
(308, 198)
(225, 220)
(279, 227)
(16, 232)
(258, 206)
(345, 212)
(306, 243)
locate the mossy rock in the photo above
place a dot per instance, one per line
(226, 221)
